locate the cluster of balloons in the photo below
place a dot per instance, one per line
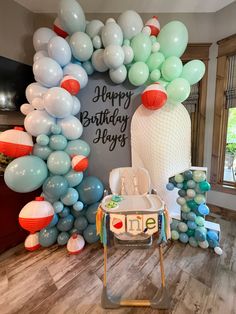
(193, 186)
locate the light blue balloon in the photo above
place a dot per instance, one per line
(98, 61)
(48, 236)
(58, 207)
(112, 34)
(71, 197)
(47, 72)
(170, 186)
(81, 46)
(90, 190)
(78, 72)
(25, 174)
(203, 209)
(191, 216)
(94, 28)
(55, 129)
(59, 162)
(81, 223)
(41, 38)
(91, 213)
(71, 127)
(78, 147)
(38, 122)
(42, 139)
(87, 65)
(54, 221)
(34, 90)
(183, 237)
(41, 151)
(66, 223)
(90, 234)
(63, 238)
(191, 225)
(54, 187)
(57, 142)
(212, 235)
(59, 50)
(65, 212)
(74, 178)
(78, 206)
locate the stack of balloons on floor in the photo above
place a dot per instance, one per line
(192, 187)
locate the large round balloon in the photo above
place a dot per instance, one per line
(41, 38)
(38, 122)
(47, 72)
(90, 190)
(138, 73)
(59, 50)
(54, 187)
(171, 68)
(98, 61)
(94, 28)
(130, 23)
(66, 223)
(78, 147)
(25, 174)
(57, 142)
(112, 34)
(71, 127)
(81, 223)
(34, 90)
(173, 39)
(63, 238)
(118, 75)
(81, 46)
(59, 162)
(113, 56)
(90, 234)
(91, 213)
(48, 236)
(74, 178)
(178, 90)
(193, 71)
(77, 72)
(142, 47)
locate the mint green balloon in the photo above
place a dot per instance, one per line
(178, 90)
(142, 47)
(138, 73)
(171, 68)
(193, 71)
(155, 75)
(155, 61)
(173, 39)
(163, 82)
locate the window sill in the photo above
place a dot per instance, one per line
(224, 188)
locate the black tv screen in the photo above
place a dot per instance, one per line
(14, 78)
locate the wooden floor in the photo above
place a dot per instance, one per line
(51, 281)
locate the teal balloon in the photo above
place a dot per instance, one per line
(41, 151)
(54, 221)
(90, 190)
(178, 90)
(42, 139)
(183, 237)
(55, 129)
(74, 178)
(173, 39)
(91, 213)
(200, 235)
(193, 71)
(48, 236)
(78, 147)
(142, 47)
(25, 174)
(58, 207)
(65, 212)
(59, 162)
(193, 242)
(90, 234)
(204, 186)
(70, 198)
(57, 142)
(138, 73)
(54, 187)
(192, 204)
(78, 206)
(63, 238)
(81, 223)
(171, 68)
(66, 223)
(155, 61)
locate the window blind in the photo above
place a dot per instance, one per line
(230, 92)
(191, 102)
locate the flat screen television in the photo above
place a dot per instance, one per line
(14, 78)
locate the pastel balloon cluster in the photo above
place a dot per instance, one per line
(192, 186)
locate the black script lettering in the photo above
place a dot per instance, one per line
(104, 137)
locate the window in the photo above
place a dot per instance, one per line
(223, 172)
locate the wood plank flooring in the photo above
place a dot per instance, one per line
(51, 281)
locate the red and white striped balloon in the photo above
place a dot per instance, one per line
(154, 96)
(154, 25)
(75, 244)
(58, 29)
(70, 84)
(79, 163)
(32, 242)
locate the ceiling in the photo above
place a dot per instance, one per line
(142, 6)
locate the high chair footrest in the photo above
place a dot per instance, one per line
(136, 244)
(107, 302)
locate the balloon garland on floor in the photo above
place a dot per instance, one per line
(64, 58)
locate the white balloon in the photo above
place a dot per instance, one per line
(34, 90)
(47, 72)
(71, 127)
(58, 102)
(218, 250)
(113, 56)
(59, 50)
(98, 61)
(112, 34)
(110, 20)
(130, 23)
(94, 28)
(146, 30)
(26, 108)
(37, 103)
(119, 75)
(128, 53)
(38, 122)
(41, 38)
(78, 72)
(81, 46)
(76, 106)
(97, 42)
(40, 54)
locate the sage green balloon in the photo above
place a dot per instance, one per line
(138, 73)
(142, 47)
(155, 61)
(193, 71)
(171, 68)
(178, 90)
(155, 75)
(173, 39)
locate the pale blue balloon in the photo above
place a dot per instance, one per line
(59, 162)
(118, 75)
(87, 65)
(41, 151)
(71, 16)
(55, 129)
(25, 174)
(71, 127)
(48, 236)
(97, 42)
(131, 23)
(54, 187)
(74, 178)
(113, 56)
(81, 223)
(63, 238)
(54, 221)
(38, 122)
(65, 212)
(34, 90)
(90, 190)
(112, 34)
(78, 206)
(57, 142)
(59, 50)
(81, 46)
(183, 237)
(40, 54)
(76, 106)
(78, 147)
(91, 213)
(98, 61)
(42, 139)
(90, 234)
(71, 197)
(58, 207)
(41, 38)
(66, 223)
(94, 28)
(78, 72)
(47, 72)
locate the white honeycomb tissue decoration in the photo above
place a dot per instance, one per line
(161, 143)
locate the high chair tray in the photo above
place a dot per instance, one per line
(149, 203)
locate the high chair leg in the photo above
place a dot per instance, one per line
(163, 279)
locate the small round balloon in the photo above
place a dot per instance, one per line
(138, 73)
(48, 236)
(90, 234)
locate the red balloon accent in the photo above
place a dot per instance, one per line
(154, 97)
(79, 163)
(70, 84)
(32, 242)
(154, 25)
(75, 244)
(58, 29)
